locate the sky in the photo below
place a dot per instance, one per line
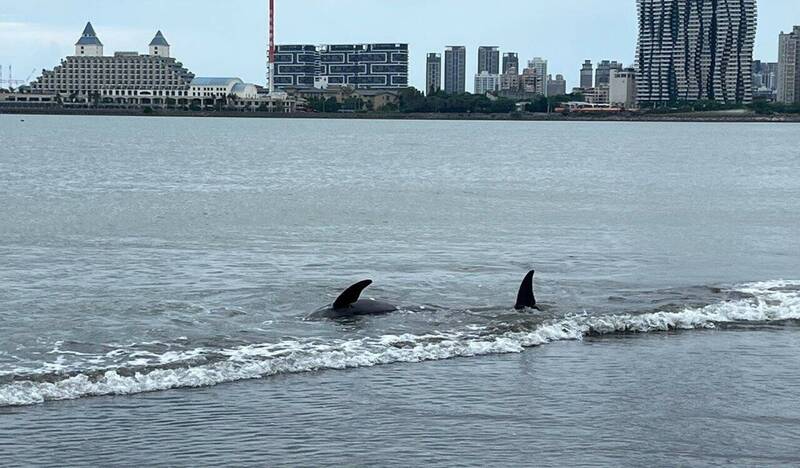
(229, 37)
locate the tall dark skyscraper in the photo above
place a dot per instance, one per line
(455, 70)
(693, 50)
(433, 73)
(587, 74)
(489, 59)
(510, 60)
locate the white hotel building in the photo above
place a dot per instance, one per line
(128, 79)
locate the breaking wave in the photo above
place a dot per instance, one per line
(151, 371)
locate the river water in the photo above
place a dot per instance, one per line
(155, 274)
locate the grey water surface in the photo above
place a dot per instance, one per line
(155, 274)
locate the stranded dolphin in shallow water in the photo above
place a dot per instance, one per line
(349, 305)
(525, 297)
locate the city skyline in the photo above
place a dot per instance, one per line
(37, 34)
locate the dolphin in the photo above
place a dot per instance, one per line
(348, 305)
(525, 297)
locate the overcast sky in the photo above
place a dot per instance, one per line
(228, 38)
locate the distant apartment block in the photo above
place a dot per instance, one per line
(510, 60)
(789, 67)
(455, 70)
(557, 86)
(695, 50)
(486, 82)
(510, 80)
(360, 66)
(539, 65)
(433, 73)
(531, 82)
(489, 60)
(602, 74)
(587, 75)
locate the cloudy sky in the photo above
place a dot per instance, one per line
(228, 38)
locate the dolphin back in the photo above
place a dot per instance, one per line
(350, 295)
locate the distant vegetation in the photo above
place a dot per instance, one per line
(758, 106)
(413, 101)
(351, 104)
(763, 107)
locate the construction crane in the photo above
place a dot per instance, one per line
(11, 82)
(271, 53)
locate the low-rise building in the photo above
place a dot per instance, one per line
(366, 99)
(595, 95)
(222, 87)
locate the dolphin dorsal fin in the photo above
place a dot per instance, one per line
(351, 294)
(525, 297)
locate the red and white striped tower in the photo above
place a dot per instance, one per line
(271, 46)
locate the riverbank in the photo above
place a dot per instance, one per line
(624, 117)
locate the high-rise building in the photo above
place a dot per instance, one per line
(455, 70)
(557, 86)
(486, 82)
(539, 65)
(296, 66)
(789, 67)
(603, 73)
(433, 73)
(695, 50)
(365, 66)
(510, 60)
(489, 59)
(360, 66)
(622, 88)
(587, 74)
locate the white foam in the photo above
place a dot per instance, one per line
(773, 301)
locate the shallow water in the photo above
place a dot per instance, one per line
(142, 254)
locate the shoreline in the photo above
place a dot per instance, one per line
(698, 117)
